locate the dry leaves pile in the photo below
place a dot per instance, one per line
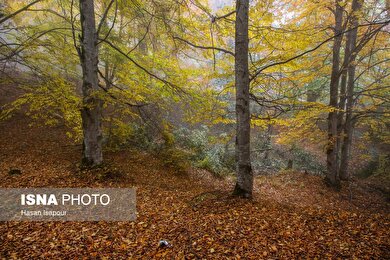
(292, 215)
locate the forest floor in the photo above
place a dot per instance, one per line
(292, 215)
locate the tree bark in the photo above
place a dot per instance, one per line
(343, 88)
(290, 164)
(312, 95)
(244, 184)
(332, 177)
(91, 111)
(348, 126)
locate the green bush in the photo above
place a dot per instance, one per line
(206, 151)
(379, 165)
(383, 167)
(177, 149)
(304, 160)
(121, 135)
(174, 158)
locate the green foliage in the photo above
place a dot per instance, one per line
(379, 165)
(383, 165)
(149, 57)
(306, 161)
(214, 160)
(268, 165)
(174, 158)
(207, 151)
(119, 134)
(269, 157)
(265, 159)
(122, 135)
(369, 169)
(51, 102)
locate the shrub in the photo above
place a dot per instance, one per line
(121, 135)
(304, 160)
(174, 158)
(206, 151)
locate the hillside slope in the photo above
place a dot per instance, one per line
(292, 215)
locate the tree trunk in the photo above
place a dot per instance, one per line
(268, 143)
(343, 88)
(332, 177)
(91, 112)
(290, 164)
(244, 184)
(312, 95)
(348, 126)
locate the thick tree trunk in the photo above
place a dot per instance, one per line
(92, 105)
(348, 126)
(332, 177)
(244, 184)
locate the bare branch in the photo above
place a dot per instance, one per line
(104, 17)
(173, 86)
(143, 37)
(113, 22)
(311, 50)
(215, 18)
(115, 97)
(2, 20)
(204, 47)
(72, 20)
